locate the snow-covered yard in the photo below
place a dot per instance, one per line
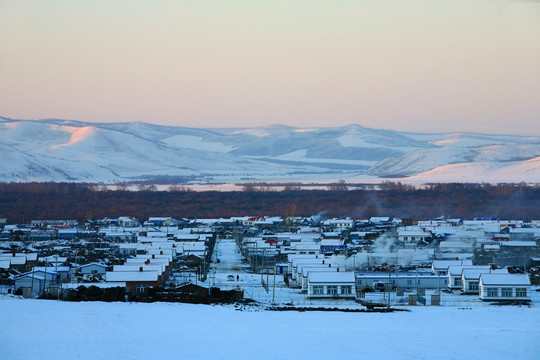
(48, 329)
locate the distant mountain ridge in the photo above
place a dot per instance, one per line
(66, 150)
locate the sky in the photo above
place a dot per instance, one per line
(427, 66)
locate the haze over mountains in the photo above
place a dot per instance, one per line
(58, 150)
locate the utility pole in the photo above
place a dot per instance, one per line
(274, 287)
(389, 286)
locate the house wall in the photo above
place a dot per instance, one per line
(454, 282)
(470, 286)
(36, 284)
(422, 281)
(326, 290)
(91, 268)
(486, 296)
(132, 285)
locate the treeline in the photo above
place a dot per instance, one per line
(25, 201)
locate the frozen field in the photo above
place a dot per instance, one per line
(41, 329)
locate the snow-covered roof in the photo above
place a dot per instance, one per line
(30, 275)
(519, 243)
(145, 275)
(332, 242)
(51, 268)
(314, 268)
(505, 279)
(331, 277)
(474, 273)
(444, 264)
(457, 270)
(94, 264)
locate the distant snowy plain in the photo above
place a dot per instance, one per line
(48, 329)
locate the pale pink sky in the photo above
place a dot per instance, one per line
(403, 65)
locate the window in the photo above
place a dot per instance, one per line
(331, 290)
(491, 292)
(141, 288)
(317, 290)
(409, 282)
(346, 290)
(506, 292)
(473, 285)
(521, 292)
(457, 282)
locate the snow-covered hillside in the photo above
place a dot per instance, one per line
(58, 150)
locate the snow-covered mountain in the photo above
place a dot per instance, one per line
(58, 150)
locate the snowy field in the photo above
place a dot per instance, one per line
(462, 328)
(48, 329)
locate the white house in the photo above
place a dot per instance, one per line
(331, 285)
(505, 287)
(470, 278)
(412, 235)
(302, 278)
(455, 272)
(441, 266)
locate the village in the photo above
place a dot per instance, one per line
(377, 262)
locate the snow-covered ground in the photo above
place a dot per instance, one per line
(48, 329)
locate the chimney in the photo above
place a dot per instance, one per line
(161, 252)
(337, 269)
(147, 262)
(153, 256)
(323, 261)
(140, 269)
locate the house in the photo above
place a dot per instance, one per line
(136, 281)
(67, 234)
(412, 235)
(61, 272)
(470, 278)
(505, 287)
(193, 290)
(302, 278)
(454, 274)
(329, 246)
(35, 282)
(93, 268)
(21, 262)
(192, 260)
(402, 280)
(331, 285)
(441, 266)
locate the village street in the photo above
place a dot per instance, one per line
(232, 271)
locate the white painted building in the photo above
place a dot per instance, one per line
(505, 287)
(331, 285)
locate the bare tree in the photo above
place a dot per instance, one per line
(339, 186)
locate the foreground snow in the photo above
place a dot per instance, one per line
(41, 329)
